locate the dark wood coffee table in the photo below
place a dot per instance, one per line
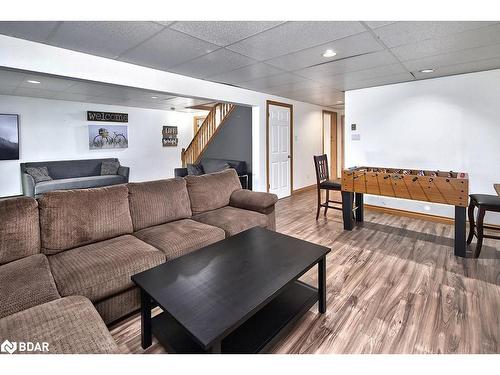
(239, 295)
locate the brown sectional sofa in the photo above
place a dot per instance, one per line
(66, 260)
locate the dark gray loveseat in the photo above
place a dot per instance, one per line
(71, 174)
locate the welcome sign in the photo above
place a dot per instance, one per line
(107, 116)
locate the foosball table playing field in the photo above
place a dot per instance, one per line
(450, 188)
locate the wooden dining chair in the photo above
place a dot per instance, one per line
(323, 182)
(484, 203)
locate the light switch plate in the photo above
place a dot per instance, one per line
(356, 137)
(353, 127)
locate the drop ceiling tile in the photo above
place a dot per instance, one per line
(47, 83)
(11, 78)
(453, 58)
(475, 66)
(94, 89)
(165, 23)
(345, 47)
(36, 93)
(167, 49)
(7, 89)
(71, 97)
(302, 87)
(367, 61)
(375, 24)
(273, 81)
(341, 80)
(108, 39)
(214, 63)
(294, 36)
(406, 32)
(380, 81)
(247, 73)
(449, 43)
(223, 33)
(37, 31)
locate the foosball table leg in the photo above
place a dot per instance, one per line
(460, 227)
(347, 198)
(358, 198)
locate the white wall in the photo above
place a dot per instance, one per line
(450, 123)
(58, 130)
(31, 56)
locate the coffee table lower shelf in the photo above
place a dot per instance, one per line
(258, 334)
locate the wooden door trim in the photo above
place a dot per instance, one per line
(290, 106)
(342, 141)
(333, 114)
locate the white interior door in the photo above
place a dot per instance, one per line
(280, 157)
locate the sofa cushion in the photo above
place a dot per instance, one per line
(19, 228)
(25, 283)
(102, 269)
(78, 183)
(69, 325)
(180, 237)
(232, 220)
(212, 191)
(158, 202)
(71, 218)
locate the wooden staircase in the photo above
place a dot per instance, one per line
(211, 125)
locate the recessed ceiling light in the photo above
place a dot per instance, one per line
(329, 53)
(154, 97)
(426, 70)
(33, 81)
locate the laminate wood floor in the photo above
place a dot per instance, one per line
(393, 286)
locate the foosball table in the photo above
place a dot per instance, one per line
(450, 188)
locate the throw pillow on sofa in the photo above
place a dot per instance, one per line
(39, 174)
(194, 169)
(109, 168)
(214, 165)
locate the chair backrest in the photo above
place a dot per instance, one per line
(69, 168)
(321, 165)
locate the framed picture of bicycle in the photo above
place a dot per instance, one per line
(108, 137)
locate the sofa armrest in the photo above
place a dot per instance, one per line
(253, 201)
(124, 171)
(180, 172)
(28, 184)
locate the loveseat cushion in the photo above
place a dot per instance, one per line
(25, 283)
(78, 183)
(69, 325)
(180, 237)
(72, 218)
(19, 228)
(212, 191)
(102, 269)
(232, 220)
(158, 202)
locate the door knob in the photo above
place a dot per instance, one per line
(289, 156)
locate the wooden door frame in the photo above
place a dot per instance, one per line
(290, 106)
(333, 114)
